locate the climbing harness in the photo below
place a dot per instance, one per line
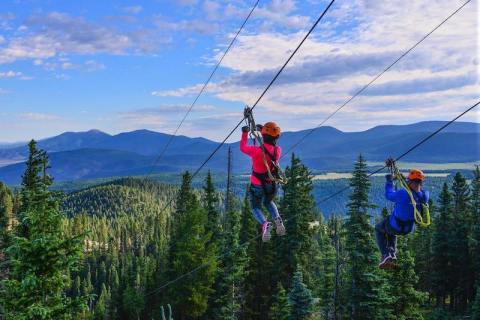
(421, 218)
(274, 172)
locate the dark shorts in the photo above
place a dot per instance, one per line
(262, 194)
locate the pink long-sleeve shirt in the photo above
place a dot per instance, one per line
(257, 157)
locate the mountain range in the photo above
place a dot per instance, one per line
(95, 154)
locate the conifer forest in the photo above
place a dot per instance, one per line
(134, 248)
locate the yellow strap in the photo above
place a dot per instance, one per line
(425, 209)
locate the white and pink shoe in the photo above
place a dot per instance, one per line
(266, 231)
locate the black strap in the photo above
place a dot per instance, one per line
(403, 224)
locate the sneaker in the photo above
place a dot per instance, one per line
(386, 262)
(280, 228)
(266, 231)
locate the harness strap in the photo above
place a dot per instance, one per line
(419, 219)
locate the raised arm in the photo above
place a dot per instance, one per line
(244, 147)
(390, 192)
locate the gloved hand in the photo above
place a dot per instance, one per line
(247, 112)
(389, 177)
(245, 129)
(259, 127)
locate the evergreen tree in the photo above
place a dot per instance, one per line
(325, 265)
(210, 204)
(298, 211)
(261, 271)
(475, 226)
(421, 249)
(190, 249)
(476, 306)
(459, 230)
(280, 310)
(300, 299)
(231, 269)
(133, 302)
(6, 223)
(406, 300)
(365, 289)
(41, 253)
(102, 305)
(441, 257)
(6, 212)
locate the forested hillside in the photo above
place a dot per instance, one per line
(121, 250)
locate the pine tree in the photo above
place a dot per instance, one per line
(475, 226)
(190, 249)
(300, 299)
(133, 302)
(365, 289)
(261, 271)
(459, 230)
(421, 249)
(280, 310)
(476, 306)
(325, 266)
(406, 300)
(42, 254)
(101, 307)
(441, 257)
(231, 269)
(6, 212)
(298, 211)
(6, 223)
(210, 204)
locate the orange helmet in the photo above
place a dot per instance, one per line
(271, 129)
(416, 174)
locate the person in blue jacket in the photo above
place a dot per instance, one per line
(402, 220)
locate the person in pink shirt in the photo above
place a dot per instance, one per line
(262, 188)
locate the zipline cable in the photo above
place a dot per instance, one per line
(266, 89)
(359, 92)
(232, 131)
(406, 152)
(331, 196)
(160, 156)
(374, 79)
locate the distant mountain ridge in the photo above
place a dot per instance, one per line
(95, 154)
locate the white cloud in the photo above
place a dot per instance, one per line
(39, 116)
(53, 34)
(211, 9)
(182, 92)
(280, 12)
(435, 81)
(92, 65)
(133, 9)
(10, 74)
(190, 26)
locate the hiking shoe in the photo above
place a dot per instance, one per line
(266, 231)
(280, 228)
(386, 262)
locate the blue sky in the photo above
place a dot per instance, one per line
(125, 65)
